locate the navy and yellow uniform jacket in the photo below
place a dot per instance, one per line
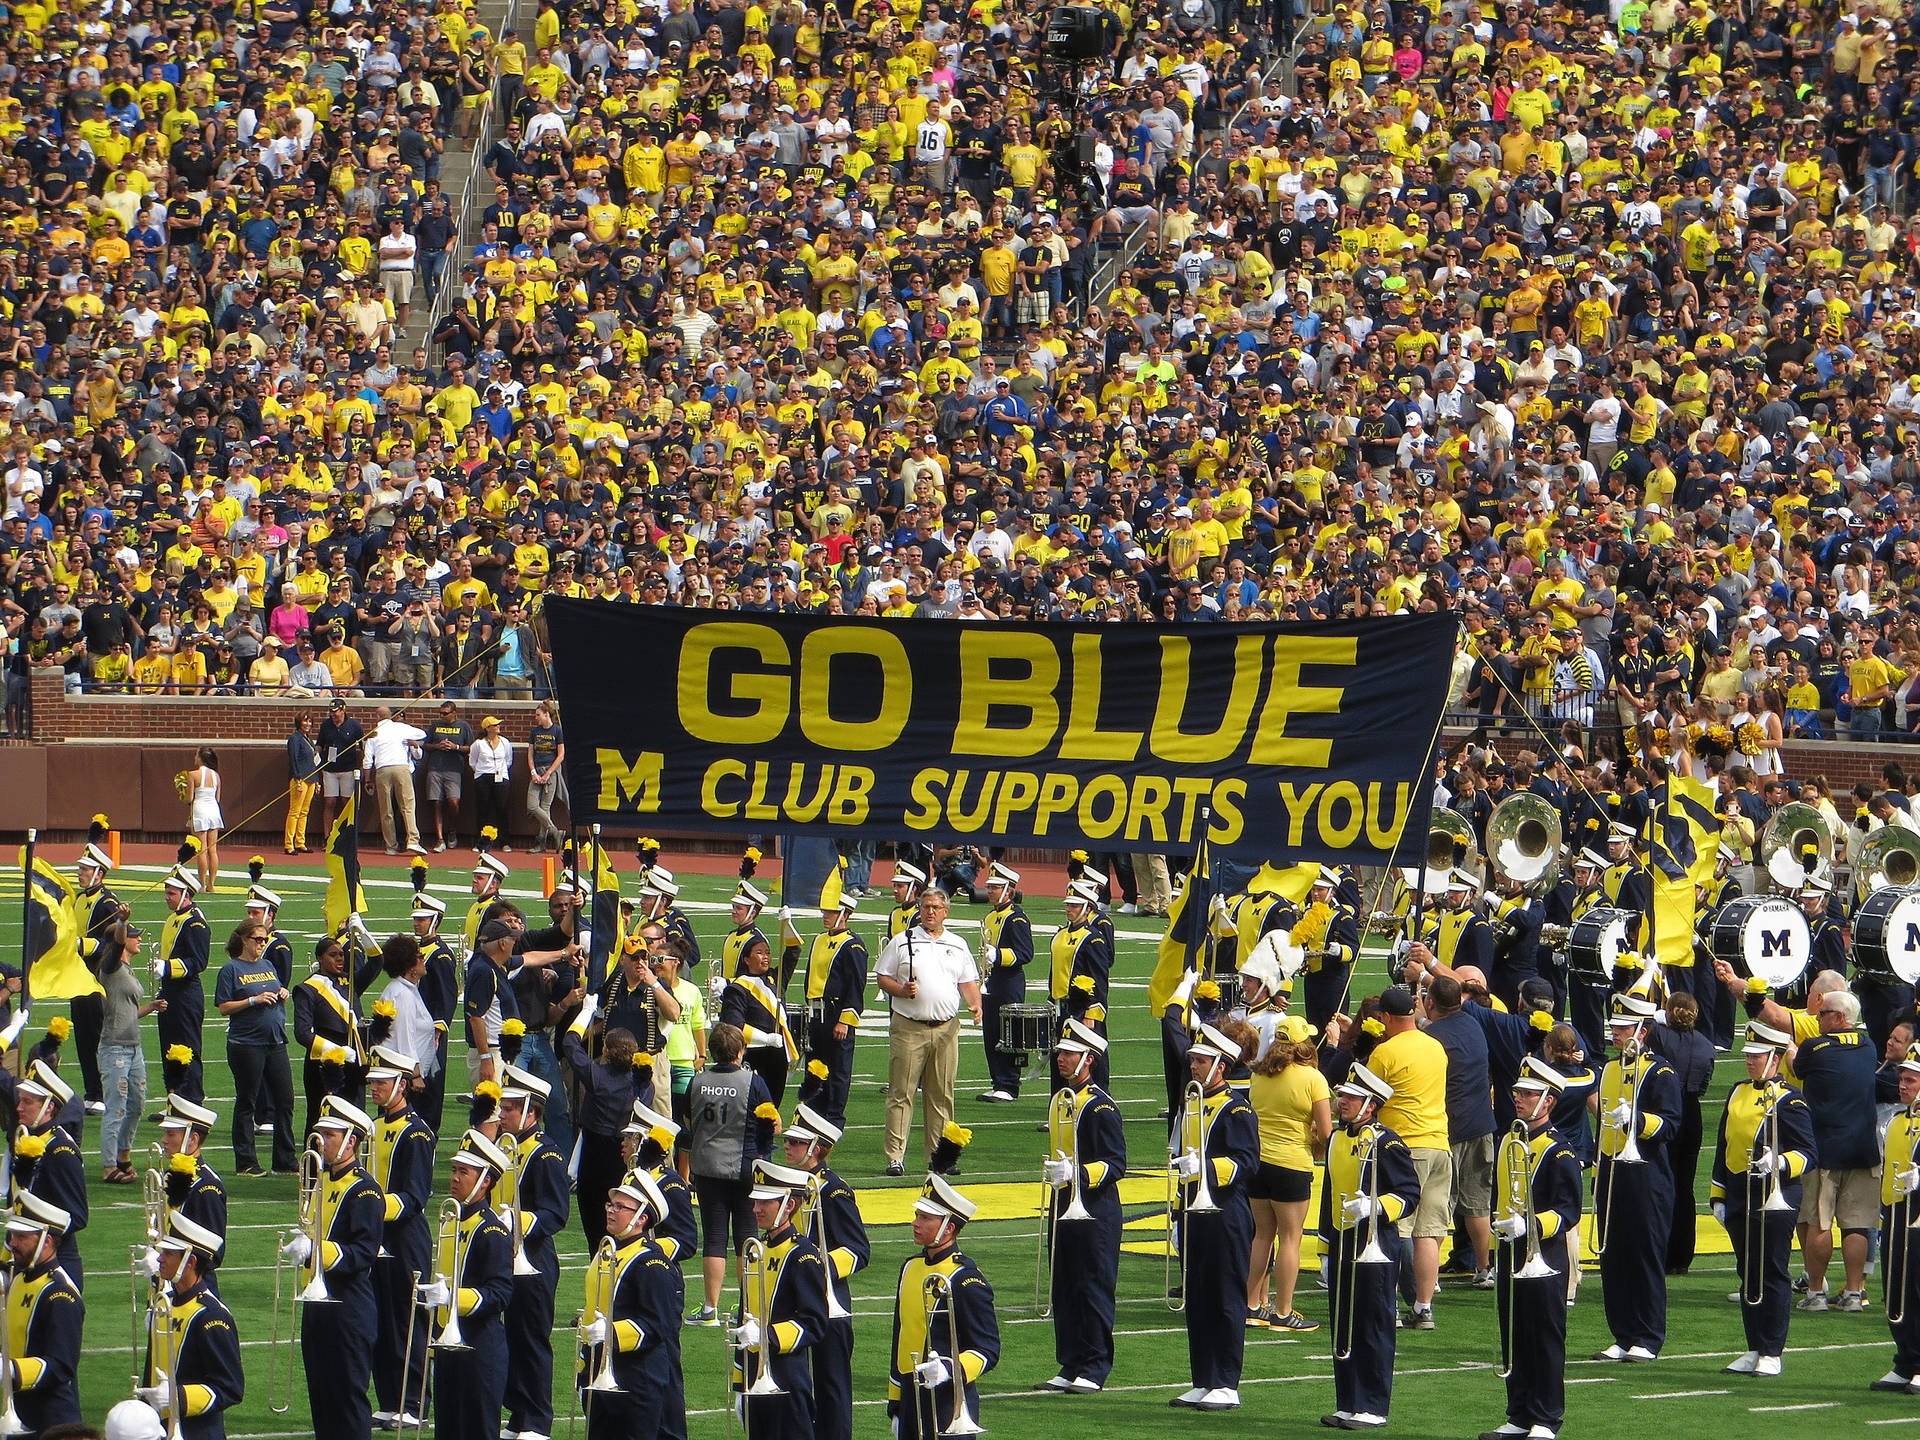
(738, 941)
(354, 1209)
(206, 1373)
(538, 1182)
(1553, 1179)
(1006, 943)
(1353, 1155)
(845, 1248)
(95, 914)
(1232, 1148)
(1743, 1127)
(837, 966)
(440, 986)
(1077, 978)
(482, 1284)
(326, 1026)
(185, 945)
(969, 1314)
(752, 1003)
(643, 1320)
(677, 1236)
(1657, 1086)
(1099, 1139)
(44, 1319)
(796, 1315)
(403, 1169)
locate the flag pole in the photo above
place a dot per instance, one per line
(26, 919)
(593, 969)
(1201, 858)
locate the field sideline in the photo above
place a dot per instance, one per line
(1446, 1387)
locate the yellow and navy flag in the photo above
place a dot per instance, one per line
(605, 927)
(1184, 946)
(1683, 832)
(344, 895)
(55, 970)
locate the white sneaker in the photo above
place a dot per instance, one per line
(383, 1419)
(1747, 1364)
(1221, 1399)
(1812, 1300)
(1640, 1355)
(534, 1435)
(404, 1421)
(96, 1107)
(996, 1097)
(1768, 1365)
(1131, 909)
(1892, 1380)
(416, 848)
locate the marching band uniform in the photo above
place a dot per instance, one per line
(745, 933)
(1748, 1164)
(1006, 949)
(326, 1025)
(1899, 1204)
(1332, 927)
(1586, 1008)
(44, 1320)
(752, 1003)
(1088, 1158)
(1216, 1247)
(1082, 959)
(337, 1339)
(924, 1360)
(48, 1164)
(641, 1320)
(831, 1218)
(489, 874)
(206, 1379)
(469, 1383)
(192, 1187)
(1533, 1310)
(186, 944)
(96, 913)
(1516, 921)
(783, 1332)
(536, 1183)
(440, 993)
(657, 892)
(675, 1232)
(1366, 1163)
(907, 882)
(1716, 1004)
(403, 1169)
(1464, 938)
(1633, 1262)
(836, 994)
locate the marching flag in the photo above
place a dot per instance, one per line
(54, 969)
(1286, 882)
(344, 895)
(1185, 942)
(1684, 841)
(606, 933)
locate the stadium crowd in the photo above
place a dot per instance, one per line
(1590, 326)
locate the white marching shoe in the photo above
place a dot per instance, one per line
(1768, 1365)
(1747, 1364)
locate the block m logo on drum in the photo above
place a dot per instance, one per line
(1780, 942)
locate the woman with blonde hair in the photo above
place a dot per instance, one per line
(1293, 1103)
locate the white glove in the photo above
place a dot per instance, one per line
(1056, 1172)
(786, 916)
(1510, 1227)
(764, 1039)
(589, 1007)
(1620, 1116)
(14, 1027)
(433, 1292)
(150, 1263)
(1763, 1162)
(746, 1334)
(159, 1394)
(1219, 917)
(1359, 1208)
(894, 1426)
(1906, 1181)
(1186, 1165)
(357, 929)
(594, 1332)
(931, 1373)
(1719, 1208)
(297, 1250)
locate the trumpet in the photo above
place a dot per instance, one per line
(1062, 1114)
(1753, 1288)
(816, 1228)
(1629, 1149)
(754, 1271)
(1372, 1253)
(601, 1271)
(938, 1291)
(1189, 1138)
(1516, 1163)
(1554, 936)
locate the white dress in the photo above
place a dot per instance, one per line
(206, 801)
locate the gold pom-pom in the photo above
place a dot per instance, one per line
(30, 1147)
(487, 1089)
(752, 852)
(260, 860)
(179, 1054)
(1084, 984)
(1079, 855)
(647, 842)
(184, 1165)
(490, 832)
(385, 1009)
(60, 1027)
(817, 1069)
(957, 1133)
(1540, 1020)
(1208, 990)
(101, 820)
(1372, 1026)
(513, 1027)
(766, 1111)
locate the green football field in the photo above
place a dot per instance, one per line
(1447, 1382)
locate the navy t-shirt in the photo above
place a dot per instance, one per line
(1837, 1078)
(1469, 1098)
(257, 1024)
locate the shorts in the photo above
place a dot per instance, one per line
(1850, 1197)
(339, 784)
(1280, 1184)
(1432, 1217)
(1473, 1177)
(444, 785)
(398, 285)
(726, 1215)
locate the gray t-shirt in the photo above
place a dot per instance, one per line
(120, 1024)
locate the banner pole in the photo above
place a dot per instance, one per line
(26, 920)
(1201, 858)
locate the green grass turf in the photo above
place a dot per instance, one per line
(1447, 1384)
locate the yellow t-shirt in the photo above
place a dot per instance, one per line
(1415, 1065)
(1284, 1104)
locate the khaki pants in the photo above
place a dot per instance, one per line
(1150, 879)
(394, 786)
(925, 1058)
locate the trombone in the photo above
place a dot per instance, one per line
(1516, 1162)
(1372, 1253)
(308, 1223)
(153, 1204)
(10, 1421)
(754, 1271)
(1897, 1290)
(938, 1291)
(1062, 1114)
(599, 1379)
(161, 1357)
(450, 1337)
(1629, 1149)
(1753, 1287)
(1189, 1138)
(517, 1221)
(816, 1230)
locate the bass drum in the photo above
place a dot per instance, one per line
(1764, 936)
(1595, 941)
(1886, 935)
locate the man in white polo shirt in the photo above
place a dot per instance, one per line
(926, 972)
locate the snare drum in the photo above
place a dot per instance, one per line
(797, 1019)
(1886, 935)
(1764, 936)
(1026, 1029)
(1595, 940)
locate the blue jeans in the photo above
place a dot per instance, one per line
(1865, 720)
(123, 1085)
(537, 1058)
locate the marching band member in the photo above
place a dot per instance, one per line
(1639, 1104)
(1006, 949)
(648, 1148)
(193, 1187)
(752, 1002)
(658, 891)
(1077, 978)
(831, 1219)
(489, 874)
(97, 914)
(46, 1161)
(1216, 1246)
(949, 1338)
(326, 1026)
(605, 1091)
(1533, 1309)
(1575, 894)
(1333, 926)
(263, 909)
(1516, 917)
(44, 1318)
(1369, 1185)
(1262, 1005)
(908, 881)
(337, 1339)
(535, 1192)
(1828, 939)
(1086, 1157)
(1625, 883)
(1899, 1276)
(1765, 1146)
(640, 1318)
(403, 1169)
(186, 946)
(744, 908)
(1094, 884)
(1716, 1004)
(473, 1274)
(206, 1379)
(778, 1329)
(440, 993)
(836, 995)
